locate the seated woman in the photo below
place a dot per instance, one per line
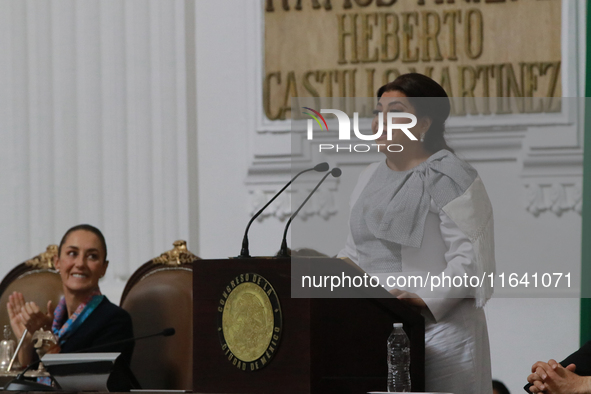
(84, 318)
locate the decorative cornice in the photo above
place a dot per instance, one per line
(321, 204)
(176, 256)
(557, 198)
(44, 260)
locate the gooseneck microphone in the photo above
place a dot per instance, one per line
(245, 253)
(20, 384)
(165, 333)
(335, 172)
(21, 376)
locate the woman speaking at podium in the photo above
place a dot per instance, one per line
(423, 210)
(84, 318)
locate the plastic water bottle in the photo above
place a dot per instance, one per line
(398, 360)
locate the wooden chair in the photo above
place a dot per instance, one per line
(36, 279)
(157, 296)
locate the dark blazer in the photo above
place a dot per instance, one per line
(581, 358)
(106, 324)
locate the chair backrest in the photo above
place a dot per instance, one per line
(36, 279)
(157, 296)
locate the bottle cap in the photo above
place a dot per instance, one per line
(397, 325)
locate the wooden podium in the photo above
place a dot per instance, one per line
(326, 344)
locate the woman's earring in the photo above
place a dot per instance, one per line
(422, 137)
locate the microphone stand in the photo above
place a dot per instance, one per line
(18, 348)
(335, 172)
(165, 333)
(20, 384)
(245, 253)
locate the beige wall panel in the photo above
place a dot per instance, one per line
(481, 49)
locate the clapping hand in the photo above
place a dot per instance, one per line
(27, 315)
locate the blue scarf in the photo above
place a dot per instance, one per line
(63, 327)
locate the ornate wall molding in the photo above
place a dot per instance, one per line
(321, 204)
(556, 198)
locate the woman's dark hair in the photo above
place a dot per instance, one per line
(429, 99)
(85, 227)
(500, 387)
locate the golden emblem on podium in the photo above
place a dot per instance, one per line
(249, 322)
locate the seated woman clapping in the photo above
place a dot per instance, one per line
(84, 318)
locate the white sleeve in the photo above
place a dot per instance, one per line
(460, 263)
(350, 250)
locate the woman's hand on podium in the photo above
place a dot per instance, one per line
(411, 299)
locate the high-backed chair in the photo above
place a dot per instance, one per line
(157, 296)
(36, 279)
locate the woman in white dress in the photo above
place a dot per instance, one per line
(422, 211)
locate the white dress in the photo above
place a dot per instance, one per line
(457, 353)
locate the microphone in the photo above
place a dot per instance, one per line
(245, 253)
(167, 332)
(335, 172)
